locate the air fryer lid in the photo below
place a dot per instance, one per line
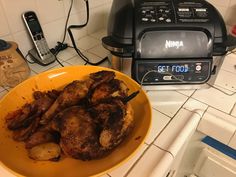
(126, 25)
(174, 43)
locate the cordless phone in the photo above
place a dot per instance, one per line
(41, 53)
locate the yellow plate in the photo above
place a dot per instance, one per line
(13, 155)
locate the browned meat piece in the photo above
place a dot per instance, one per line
(24, 133)
(22, 118)
(113, 88)
(79, 135)
(100, 77)
(116, 120)
(19, 118)
(102, 111)
(25, 121)
(115, 132)
(74, 92)
(57, 120)
(43, 104)
(40, 137)
(71, 95)
(53, 94)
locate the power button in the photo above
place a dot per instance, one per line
(198, 68)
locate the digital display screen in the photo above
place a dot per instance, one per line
(176, 68)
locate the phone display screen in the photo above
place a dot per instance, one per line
(34, 26)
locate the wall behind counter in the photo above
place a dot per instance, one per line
(52, 16)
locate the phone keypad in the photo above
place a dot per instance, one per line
(42, 47)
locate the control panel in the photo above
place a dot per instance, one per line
(160, 12)
(192, 12)
(172, 12)
(156, 72)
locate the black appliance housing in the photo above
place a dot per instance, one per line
(167, 34)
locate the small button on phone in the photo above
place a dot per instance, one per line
(38, 37)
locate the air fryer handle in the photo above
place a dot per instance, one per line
(117, 48)
(230, 43)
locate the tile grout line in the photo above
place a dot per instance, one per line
(221, 87)
(224, 69)
(231, 111)
(234, 134)
(96, 54)
(164, 150)
(162, 112)
(186, 95)
(89, 46)
(136, 162)
(211, 106)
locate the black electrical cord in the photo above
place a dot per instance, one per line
(58, 61)
(67, 20)
(73, 40)
(60, 46)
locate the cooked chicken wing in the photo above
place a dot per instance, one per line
(71, 95)
(74, 92)
(101, 77)
(113, 88)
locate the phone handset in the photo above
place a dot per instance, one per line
(41, 52)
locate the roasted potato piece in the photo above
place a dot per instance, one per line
(47, 151)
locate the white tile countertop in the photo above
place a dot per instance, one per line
(214, 112)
